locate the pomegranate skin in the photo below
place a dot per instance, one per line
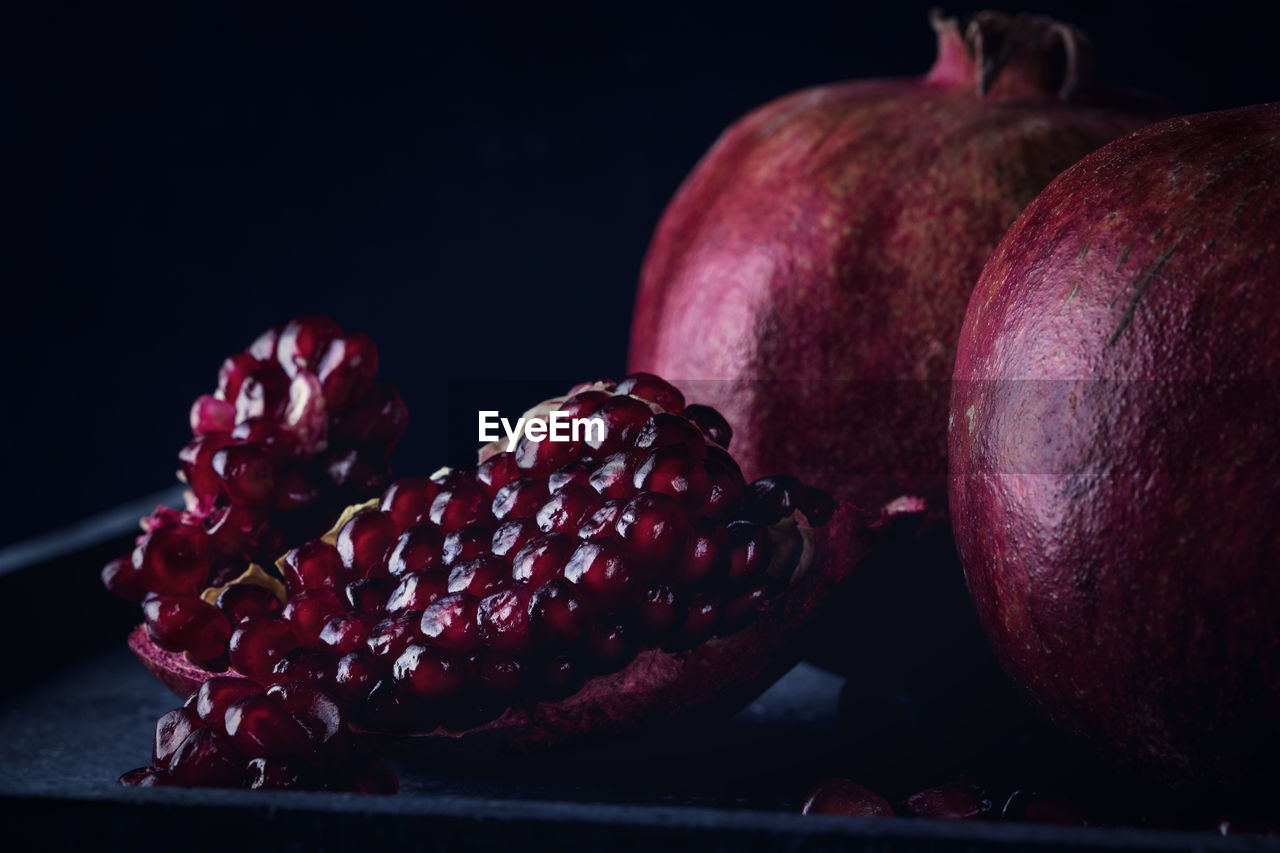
(809, 277)
(1115, 482)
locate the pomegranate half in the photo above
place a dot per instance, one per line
(809, 277)
(1115, 472)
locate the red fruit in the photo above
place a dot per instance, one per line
(259, 644)
(1031, 806)
(623, 417)
(312, 565)
(578, 471)
(614, 477)
(171, 730)
(364, 541)
(815, 313)
(209, 414)
(347, 369)
(502, 620)
(409, 500)
(711, 422)
(123, 580)
(655, 528)
(600, 569)
(267, 774)
(303, 341)
(416, 590)
(350, 631)
(260, 727)
(179, 624)
(519, 499)
(248, 601)
(604, 521)
(214, 696)
(511, 536)
(461, 503)
(558, 615)
(705, 557)
(676, 471)
(567, 508)
(956, 801)
(417, 549)
(309, 611)
(393, 635)
(845, 798)
(466, 544)
(496, 471)
(309, 665)
(648, 387)
(206, 759)
(356, 674)
(1100, 433)
(429, 674)
(480, 576)
(450, 622)
(173, 560)
(146, 777)
(543, 559)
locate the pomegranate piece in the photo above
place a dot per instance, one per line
(846, 798)
(178, 624)
(259, 644)
(954, 801)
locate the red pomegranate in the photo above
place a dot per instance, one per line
(558, 591)
(1115, 477)
(809, 277)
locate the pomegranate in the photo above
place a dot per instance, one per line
(558, 590)
(813, 269)
(298, 427)
(845, 798)
(1114, 478)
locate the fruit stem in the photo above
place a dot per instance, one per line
(1007, 57)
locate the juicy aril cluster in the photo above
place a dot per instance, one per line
(507, 603)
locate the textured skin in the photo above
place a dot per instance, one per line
(713, 679)
(809, 277)
(1115, 448)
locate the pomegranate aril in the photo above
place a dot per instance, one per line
(206, 759)
(369, 594)
(583, 403)
(209, 414)
(347, 369)
(817, 506)
(665, 429)
(749, 551)
(302, 342)
(259, 644)
(655, 528)
(599, 567)
(195, 460)
(461, 504)
(260, 727)
(235, 529)
(213, 697)
(376, 420)
(479, 576)
(557, 676)
(502, 620)
(355, 473)
(676, 471)
(393, 635)
(388, 709)
(145, 777)
(429, 674)
(742, 609)
(297, 488)
(451, 622)
(543, 457)
(511, 536)
(497, 471)
(705, 556)
(317, 713)
(263, 393)
(954, 801)
(171, 730)
(356, 674)
(303, 664)
(173, 560)
(519, 499)
(578, 472)
(701, 619)
(657, 614)
(602, 522)
(350, 631)
(232, 373)
(416, 590)
(543, 559)
(248, 601)
(313, 565)
(566, 509)
(185, 624)
(711, 422)
(771, 499)
(646, 386)
(308, 612)
(610, 647)
(726, 489)
(558, 615)
(123, 580)
(273, 774)
(408, 500)
(623, 418)
(497, 674)
(466, 544)
(364, 541)
(615, 475)
(846, 798)
(417, 549)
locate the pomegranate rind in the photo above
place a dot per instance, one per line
(712, 680)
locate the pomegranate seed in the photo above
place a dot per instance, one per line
(429, 674)
(369, 594)
(214, 696)
(388, 709)
(578, 472)
(347, 369)
(417, 549)
(655, 528)
(417, 590)
(248, 601)
(123, 580)
(623, 418)
(519, 499)
(303, 341)
(749, 551)
(347, 632)
(181, 624)
(602, 522)
(743, 608)
(542, 559)
(557, 676)
(314, 565)
(846, 798)
(771, 499)
(262, 393)
(582, 404)
(702, 617)
(599, 567)
(726, 490)
(451, 622)
(196, 461)
(206, 759)
(260, 727)
(173, 560)
(674, 470)
(273, 774)
(558, 617)
(297, 488)
(614, 476)
(376, 420)
(665, 429)
(462, 504)
(393, 635)
(171, 730)
(279, 444)
(497, 674)
(232, 373)
(235, 529)
(543, 457)
(658, 614)
(409, 500)
(355, 472)
(308, 612)
(609, 648)
(954, 801)
(303, 664)
(817, 506)
(259, 644)
(246, 472)
(317, 713)
(263, 347)
(711, 422)
(466, 544)
(705, 557)
(511, 536)
(364, 541)
(356, 674)
(646, 386)
(209, 414)
(480, 576)
(145, 777)
(497, 471)
(564, 511)
(502, 620)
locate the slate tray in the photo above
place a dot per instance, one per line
(76, 710)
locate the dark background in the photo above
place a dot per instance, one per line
(473, 187)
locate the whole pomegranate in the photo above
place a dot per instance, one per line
(1115, 448)
(814, 267)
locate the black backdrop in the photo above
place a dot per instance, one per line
(473, 187)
